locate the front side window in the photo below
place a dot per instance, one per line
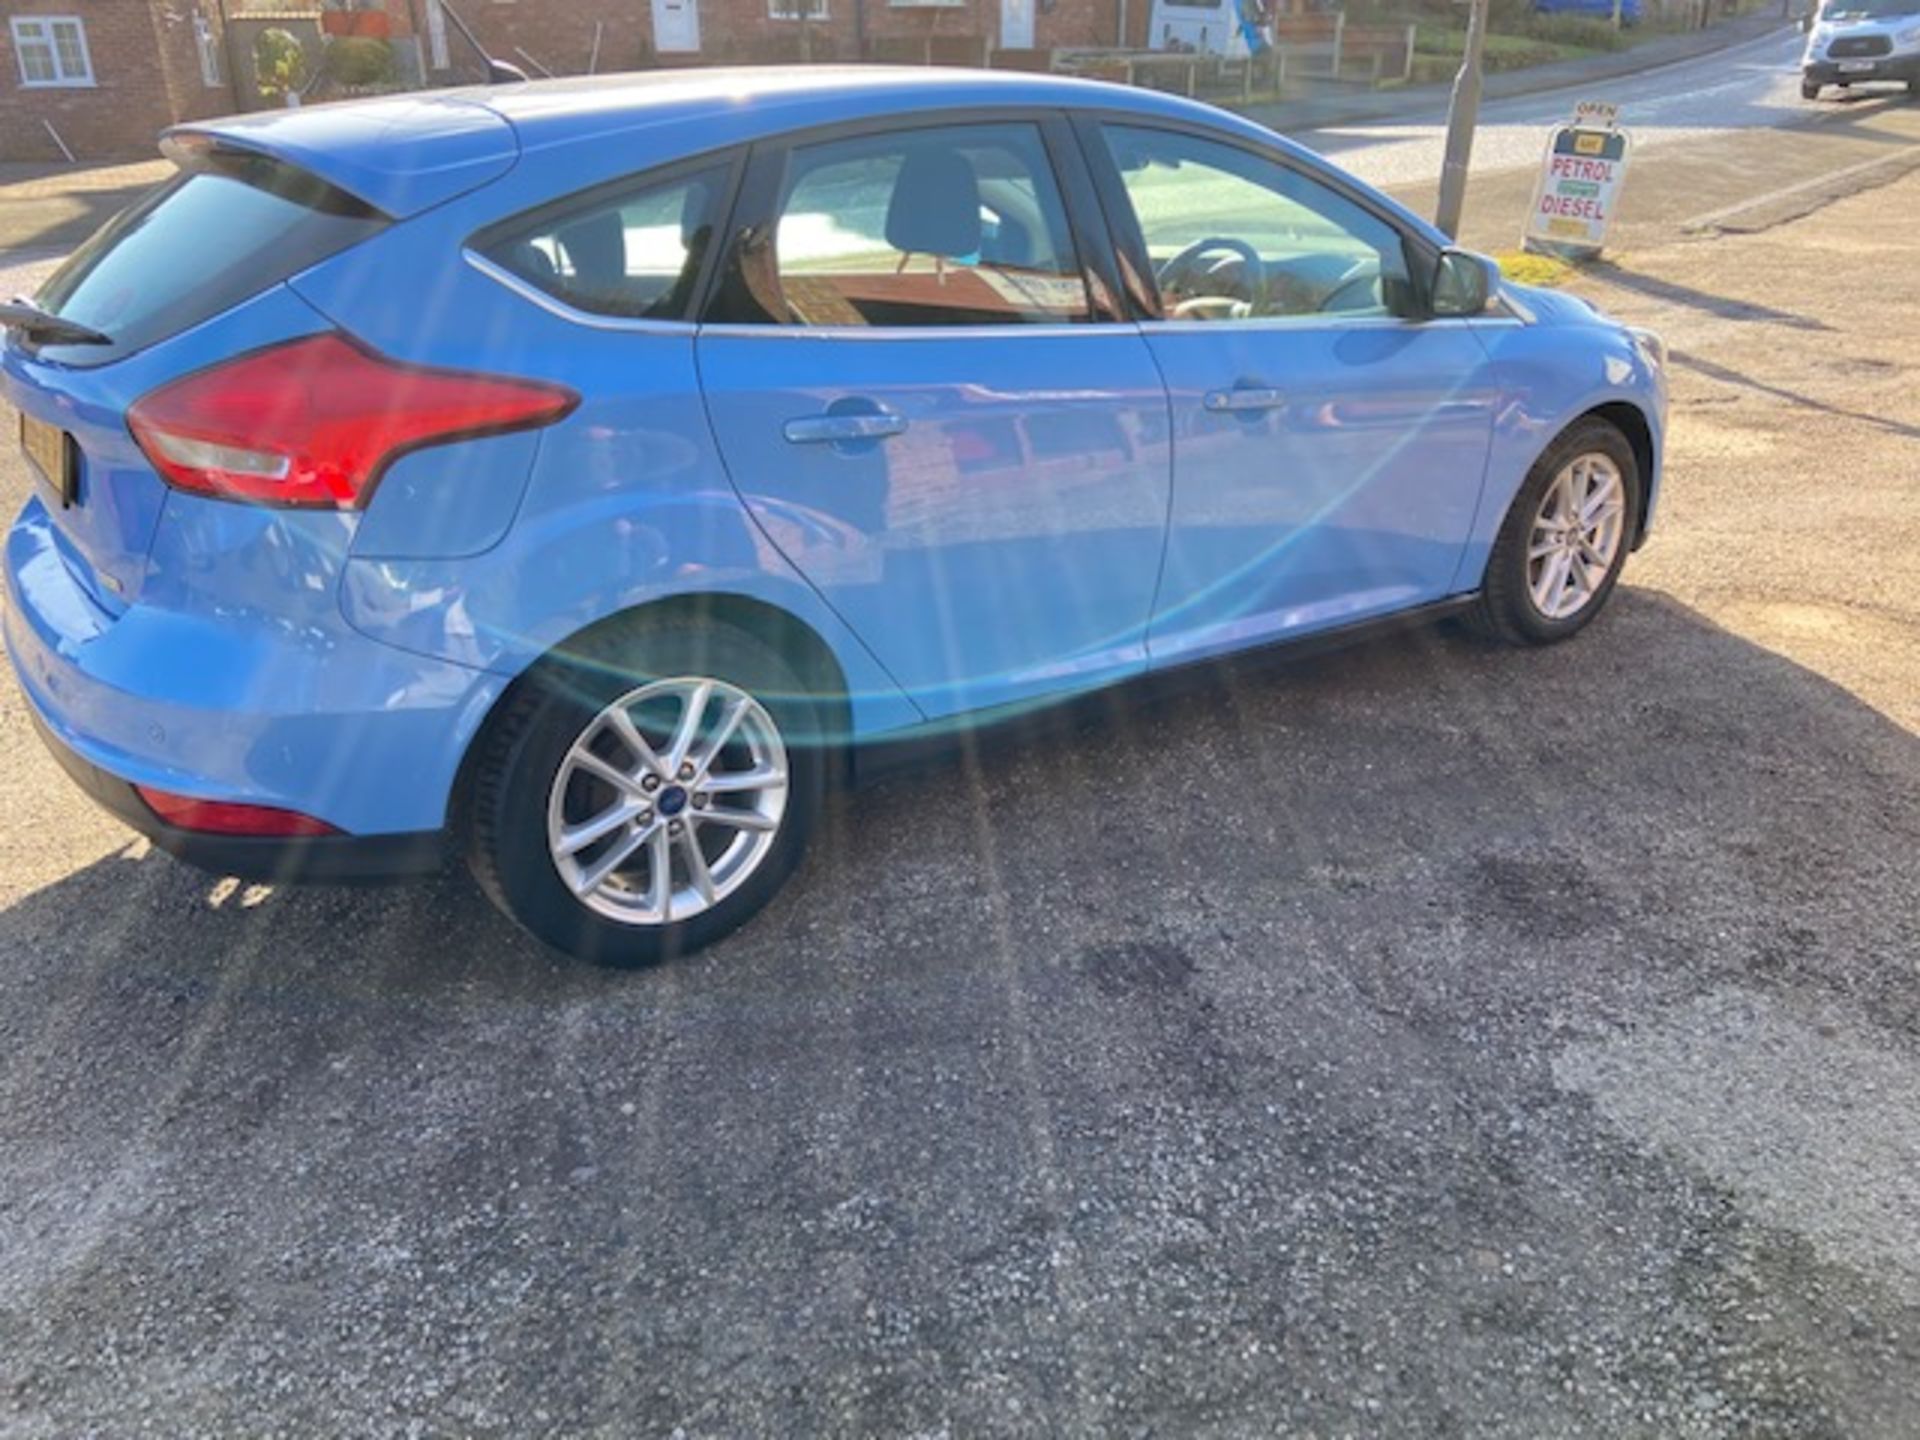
(955, 225)
(632, 251)
(52, 50)
(1233, 236)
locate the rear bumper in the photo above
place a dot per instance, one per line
(326, 858)
(284, 706)
(1884, 67)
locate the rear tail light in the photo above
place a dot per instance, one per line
(221, 817)
(316, 421)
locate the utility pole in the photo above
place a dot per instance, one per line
(1463, 113)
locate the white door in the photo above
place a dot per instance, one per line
(1016, 24)
(676, 26)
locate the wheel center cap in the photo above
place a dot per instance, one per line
(673, 800)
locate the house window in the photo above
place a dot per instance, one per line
(797, 9)
(52, 50)
(208, 45)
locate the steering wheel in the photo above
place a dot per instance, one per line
(1176, 267)
(1364, 272)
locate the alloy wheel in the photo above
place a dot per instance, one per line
(1576, 535)
(668, 800)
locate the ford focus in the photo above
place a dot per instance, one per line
(578, 478)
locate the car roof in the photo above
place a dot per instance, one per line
(544, 110)
(698, 109)
(407, 153)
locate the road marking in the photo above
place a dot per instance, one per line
(1904, 161)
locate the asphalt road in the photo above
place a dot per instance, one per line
(1432, 1040)
(1750, 86)
(1726, 132)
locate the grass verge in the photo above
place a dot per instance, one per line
(1523, 267)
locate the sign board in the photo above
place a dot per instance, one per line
(1580, 179)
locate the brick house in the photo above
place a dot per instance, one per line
(102, 77)
(560, 34)
(106, 75)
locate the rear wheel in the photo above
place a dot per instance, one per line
(1565, 539)
(648, 792)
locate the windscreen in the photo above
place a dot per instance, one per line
(1870, 9)
(223, 229)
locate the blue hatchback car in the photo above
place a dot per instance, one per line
(1597, 9)
(572, 476)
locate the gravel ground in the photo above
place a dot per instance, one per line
(1430, 1040)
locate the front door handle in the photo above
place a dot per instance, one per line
(862, 425)
(1243, 399)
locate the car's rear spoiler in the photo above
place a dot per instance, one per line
(400, 155)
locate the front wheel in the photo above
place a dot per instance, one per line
(647, 792)
(1809, 90)
(1565, 539)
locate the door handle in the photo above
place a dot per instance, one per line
(826, 429)
(1243, 399)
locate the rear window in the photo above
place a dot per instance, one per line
(227, 227)
(632, 250)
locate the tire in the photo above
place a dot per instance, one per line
(1809, 90)
(522, 813)
(1508, 608)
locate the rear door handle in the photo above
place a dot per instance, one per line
(1242, 399)
(826, 429)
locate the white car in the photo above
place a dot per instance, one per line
(1853, 41)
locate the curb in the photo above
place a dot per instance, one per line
(1306, 115)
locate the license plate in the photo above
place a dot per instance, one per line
(1855, 67)
(51, 450)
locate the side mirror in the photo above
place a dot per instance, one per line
(1463, 283)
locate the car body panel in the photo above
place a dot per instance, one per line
(1007, 544)
(1351, 499)
(624, 502)
(447, 501)
(270, 700)
(1548, 373)
(107, 535)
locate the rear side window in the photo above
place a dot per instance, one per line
(633, 251)
(950, 225)
(224, 229)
